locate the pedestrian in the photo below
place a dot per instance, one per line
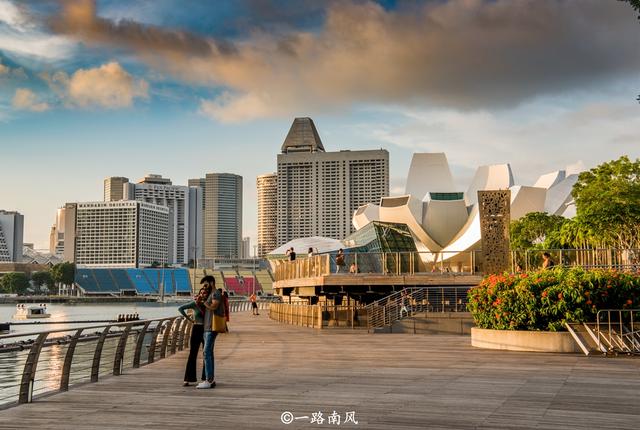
(214, 306)
(353, 268)
(547, 262)
(254, 304)
(292, 254)
(310, 253)
(339, 260)
(196, 306)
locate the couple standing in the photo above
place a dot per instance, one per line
(208, 304)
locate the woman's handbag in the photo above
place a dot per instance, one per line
(219, 324)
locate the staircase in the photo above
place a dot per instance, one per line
(416, 304)
(616, 331)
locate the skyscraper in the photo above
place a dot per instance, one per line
(182, 202)
(11, 236)
(114, 188)
(56, 238)
(319, 191)
(267, 213)
(117, 234)
(222, 214)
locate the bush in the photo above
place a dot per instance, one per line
(547, 299)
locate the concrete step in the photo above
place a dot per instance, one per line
(448, 323)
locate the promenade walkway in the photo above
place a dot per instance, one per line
(390, 381)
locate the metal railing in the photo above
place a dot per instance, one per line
(245, 305)
(412, 301)
(53, 360)
(609, 258)
(618, 331)
(383, 263)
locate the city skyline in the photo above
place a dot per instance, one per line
(520, 103)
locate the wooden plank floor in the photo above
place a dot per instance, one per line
(390, 381)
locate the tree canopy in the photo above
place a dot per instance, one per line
(14, 283)
(607, 200)
(64, 273)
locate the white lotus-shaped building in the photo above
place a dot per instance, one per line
(444, 220)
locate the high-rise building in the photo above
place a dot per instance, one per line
(267, 213)
(56, 238)
(11, 236)
(114, 188)
(319, 191)
(117, 234)
(222, 214)
(246, 247)
(183, 202)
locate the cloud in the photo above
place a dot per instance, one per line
(25, 99)
(236, 108)
(532, 138)
(108, 86)
(21, 35)
(460, 54)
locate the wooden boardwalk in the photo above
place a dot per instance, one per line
(390, 381)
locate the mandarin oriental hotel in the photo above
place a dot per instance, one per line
(121, 234)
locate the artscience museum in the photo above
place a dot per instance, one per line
(445, 220)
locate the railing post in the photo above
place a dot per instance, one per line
(97, 355)
(154, 339)
(183, 329)
(165, 339)
(139, 343)
(176, 331)
(29, 372)
(68, 359)
(118, 361)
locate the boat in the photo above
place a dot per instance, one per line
(31, 312)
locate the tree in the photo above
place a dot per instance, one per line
(536, 230)
(14, 283)
(608, 205)
(64, 273)
(42, 281)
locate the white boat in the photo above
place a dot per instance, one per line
(31, 312)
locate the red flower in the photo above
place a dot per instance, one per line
(588, 302)
(629, 302)
(560, 296)
(544, 294)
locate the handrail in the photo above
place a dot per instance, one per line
(384, 263)
(169, 329)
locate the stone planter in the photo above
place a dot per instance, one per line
(514, 340)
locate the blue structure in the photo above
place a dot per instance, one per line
(141, 282)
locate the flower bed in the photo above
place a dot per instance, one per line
(546, 299)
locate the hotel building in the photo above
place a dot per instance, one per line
(318, 191)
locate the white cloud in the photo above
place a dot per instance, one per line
(108, 86)
(21, 36)
(25, 99)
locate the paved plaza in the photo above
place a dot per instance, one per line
(389, 381)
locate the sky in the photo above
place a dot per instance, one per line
(91, 89)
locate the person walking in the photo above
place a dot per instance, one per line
(197, 332)
(254, 304)
(213, 305)
(292, 254)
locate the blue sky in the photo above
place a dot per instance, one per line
(90, 89)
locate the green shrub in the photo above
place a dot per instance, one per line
(547, 299)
